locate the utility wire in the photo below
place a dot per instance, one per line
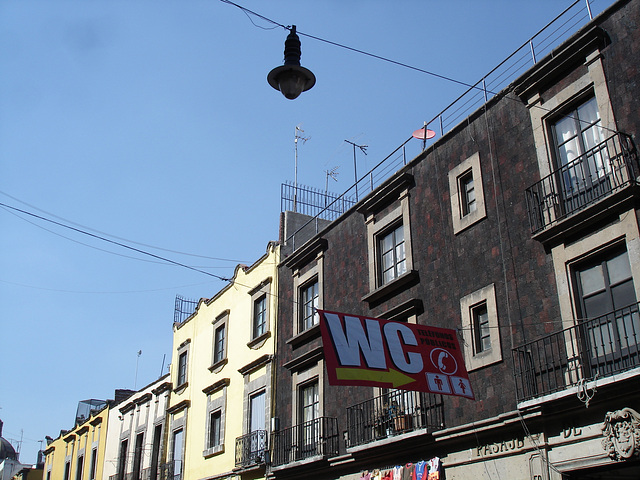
(89, 234)
(84, 227)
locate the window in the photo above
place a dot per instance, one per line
(388, 220)
(92, 469)
(182, 368)
(583, 166)
(481, 330)
(215, 429)
(137, 456)
(215, 416)
(309, 303)
(67, 470)
(392, 257)
(607, 303)
(260, 300)
(309, 412)
(480, 326)
(218, 344)
(122, 459)
(79, 465)
(177, 453)
(260, 317)
(155, 452)
(467, 194)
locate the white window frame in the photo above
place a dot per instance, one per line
(475, 360)
(457, 193)
(221, 321)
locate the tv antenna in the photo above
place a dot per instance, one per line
(135, 382)
(355, 168)
(295, 177)
(333, 173)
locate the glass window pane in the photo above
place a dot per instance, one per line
(619, 268)
(565, 129)
(592, 280)
(569, 151)
(588, 112)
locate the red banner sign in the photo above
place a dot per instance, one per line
(384, 353)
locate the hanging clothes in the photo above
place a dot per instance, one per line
(420, 471)
(434, 469)
(407, 471)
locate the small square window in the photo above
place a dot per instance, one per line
(309, 303)
(391, 254)
(467, 194)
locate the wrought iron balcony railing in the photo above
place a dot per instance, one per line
(251, 449)
(600, 172)
(393, 413)
(594, 348)
(314, 438)
(171, 470)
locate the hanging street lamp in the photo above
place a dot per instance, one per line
(291, 78)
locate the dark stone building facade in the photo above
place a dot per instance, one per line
(519, 229)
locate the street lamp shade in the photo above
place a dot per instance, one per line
(291, 78)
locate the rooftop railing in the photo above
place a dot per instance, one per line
(474, 97)
(593, 349)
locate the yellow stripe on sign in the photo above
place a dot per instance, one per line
(393, 377)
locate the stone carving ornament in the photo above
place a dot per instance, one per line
(621, 430)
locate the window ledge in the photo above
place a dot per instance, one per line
(210, 452)
(390, 287)
(305, 336)
(181, 388)
(259, 341)
(218, 366)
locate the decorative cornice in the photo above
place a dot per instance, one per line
(163, 387)
(143, 398)
(256, 364)
(386, 193)
(95, 421)
(214, 387)
(179, 406)
(312, 356)
(127, 408)
(306, 253)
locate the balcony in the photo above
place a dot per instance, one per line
(171, 470)
(593, 349)
(394, 413)
(315, 438)
(602, 172)
(251, 449)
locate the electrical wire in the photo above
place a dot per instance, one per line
(118, 238)
(120, 244)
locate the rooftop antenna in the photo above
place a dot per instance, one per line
(295, 181)
(333, 173)
(355, 169)
(135, 382)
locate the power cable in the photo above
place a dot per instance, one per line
(118, 238)
(89, 234)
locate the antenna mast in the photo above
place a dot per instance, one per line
(355, 168)
(295, 181)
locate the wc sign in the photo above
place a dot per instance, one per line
(384, 353)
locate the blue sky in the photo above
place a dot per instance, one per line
(151, 123)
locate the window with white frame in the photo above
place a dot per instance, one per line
(392, 259)
(216, 417)
(309, 303)
(260, 300)
(467, 194)
(182, 368)
(481, 332)
(387, 218)
(219, 343)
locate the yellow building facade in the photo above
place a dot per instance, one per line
(220, 405)
(78, 454)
